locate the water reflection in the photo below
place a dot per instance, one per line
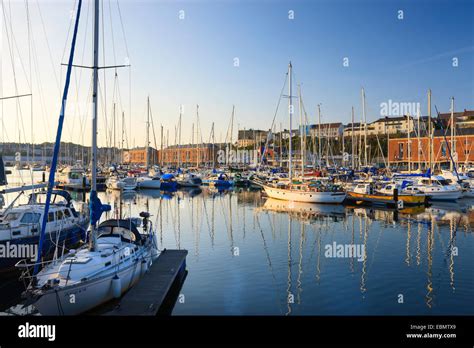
(251, 255)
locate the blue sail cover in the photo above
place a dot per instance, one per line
(97, 208)
(3, 177)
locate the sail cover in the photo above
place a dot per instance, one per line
(3, 177)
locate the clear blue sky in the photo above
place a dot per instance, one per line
(190, 61)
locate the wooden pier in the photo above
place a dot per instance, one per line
(148, 295)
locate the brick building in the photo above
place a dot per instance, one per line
(138, 156)
(400, 151)
(189, 155)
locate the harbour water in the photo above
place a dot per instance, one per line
(250, 255)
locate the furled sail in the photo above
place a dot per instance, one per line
(3, 177)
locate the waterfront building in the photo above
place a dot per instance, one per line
(189, 154)
(401, 151)
(138, 156)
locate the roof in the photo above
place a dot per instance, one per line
(327, 125)
(391, 119)
(184, 146)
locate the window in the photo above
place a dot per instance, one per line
(400, 150)
(50, 217)
(12, 217)
(443, 149)
(59, 214)
(30, 218)
(67, 213)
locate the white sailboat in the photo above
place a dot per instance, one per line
(148, 181)
(116, 257)
(307, 192)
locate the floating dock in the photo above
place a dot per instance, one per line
(148, 295)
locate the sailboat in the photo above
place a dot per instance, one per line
(310, 192)
(117, 255)
(148, 181)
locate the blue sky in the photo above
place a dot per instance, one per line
(190, 61)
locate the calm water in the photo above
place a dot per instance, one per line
(249, 255)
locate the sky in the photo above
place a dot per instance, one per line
(336, 48)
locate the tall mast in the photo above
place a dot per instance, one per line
(319, 135)
(430, 135)
(121, 140)
(409, 144)
(179, 138)
(147, 144)
(419, 141)
(365, 127)
(197, 135)
(114, 154)
(453, 147)
(95, 78)
(290, 114)
(161, 145)
(303, 129)
(213, 147)
(232, 127)
(352, 139)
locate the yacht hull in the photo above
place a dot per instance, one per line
(308, 197)
(88, 294)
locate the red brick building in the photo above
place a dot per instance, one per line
(189, 155)
(138, 156)
(399, 151)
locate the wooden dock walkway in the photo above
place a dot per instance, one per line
(147, 296)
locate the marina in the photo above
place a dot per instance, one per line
(236, 239)
(163, 162)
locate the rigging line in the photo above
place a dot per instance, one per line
(123, 29)
(65, 43)
(275, 115)
(153, 129)
(104, 106)
(10, 47)
(48, 46)
(77, 80)
(112, 34)
(15, 47)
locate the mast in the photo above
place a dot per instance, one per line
(57, 143)
(352, 140)
(303, 129)
(95, 78)
(319, 135)
(179, 138)
(453, 147)
(290, 114)
(419, 141)
(213, 147)
(197, 135)
(121, 140)
(430, 136)
(409, 145)
(114, 154)
(232, 127)
(161, 145)
(365, 127)
(147, 144)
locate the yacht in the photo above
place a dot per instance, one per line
(114, 182)
(20, 228)
(437, 188)
(189, 180)
(95, 276)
